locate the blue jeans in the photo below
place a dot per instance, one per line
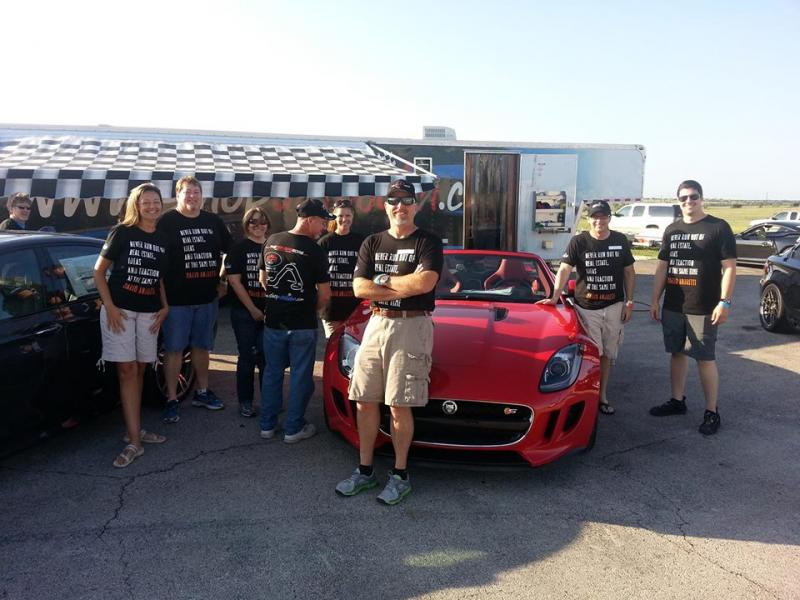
(250, 344)
(295, 348)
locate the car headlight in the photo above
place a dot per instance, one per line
(348, 346)
(562, 369)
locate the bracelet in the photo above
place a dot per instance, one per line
(725, 303)
(629, 303)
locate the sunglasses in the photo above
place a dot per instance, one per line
(688, 197)
(256, 222)
(405, 200)
(343, 204)
(22, 207)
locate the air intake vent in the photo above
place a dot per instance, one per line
(430, 132)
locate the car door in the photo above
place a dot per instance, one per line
(752, 245)
(622, 222)
(32, 345)
(793, 285)
(71, 287)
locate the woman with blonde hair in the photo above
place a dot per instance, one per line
(134, 306)
(247, 299)
(342, 246)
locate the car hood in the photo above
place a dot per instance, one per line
(480, 347)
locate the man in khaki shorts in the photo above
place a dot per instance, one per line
(604, 287)
(397, 270)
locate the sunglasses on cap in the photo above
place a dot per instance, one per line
(343, 204)
(405, 200)
(688, 197)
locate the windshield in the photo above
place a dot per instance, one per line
(477, 276)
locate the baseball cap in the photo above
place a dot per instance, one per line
(313, 207)
(599, 206)
(401, 185)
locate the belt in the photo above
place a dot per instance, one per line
(400, 314)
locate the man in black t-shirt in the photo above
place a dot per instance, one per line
(197, 240)
(397, 270)
(294, 272)
(697, 268)
(604, 288)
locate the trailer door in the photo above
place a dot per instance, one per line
(491, 187)
(547, 211)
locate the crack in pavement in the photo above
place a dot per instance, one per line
(641, 446)
(682, 525)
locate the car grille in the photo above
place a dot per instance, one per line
(472, 424)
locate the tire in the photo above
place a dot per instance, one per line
(155, 386)
(772, 309)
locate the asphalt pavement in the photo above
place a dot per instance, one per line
(656, 510)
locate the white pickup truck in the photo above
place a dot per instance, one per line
(784, 215)
(645, 221)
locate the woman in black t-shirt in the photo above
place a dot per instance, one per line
(342, 246)
(134, 306)
(247, 297)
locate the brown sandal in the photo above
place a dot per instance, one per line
(128, 455)
(147, 437)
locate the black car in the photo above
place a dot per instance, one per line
(50, 343)
(756, 243)
(779, 308)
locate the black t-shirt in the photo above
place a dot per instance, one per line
(294, 265)
(601, 268)
(342, 256)
(694, 253)
(195, 246)
(382, 253)
(140, 260)
(243, 260)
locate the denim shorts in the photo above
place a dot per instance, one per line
(194, 325)
(694, 335)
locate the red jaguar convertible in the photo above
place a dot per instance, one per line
(511, 382)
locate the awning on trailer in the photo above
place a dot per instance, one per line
(71, 167)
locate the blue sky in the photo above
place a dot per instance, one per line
(712, 89)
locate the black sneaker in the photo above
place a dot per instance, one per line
(671, 407)
(710, 423)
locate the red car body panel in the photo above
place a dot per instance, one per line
(492, 352)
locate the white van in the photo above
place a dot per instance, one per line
(633, 219)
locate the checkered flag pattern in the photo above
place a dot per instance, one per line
(70, 167)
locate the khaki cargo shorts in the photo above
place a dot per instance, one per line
(604, 326)
(393, 364)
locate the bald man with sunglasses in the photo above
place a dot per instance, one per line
(397, 270)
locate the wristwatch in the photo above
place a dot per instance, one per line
(381, 279)
(726, 302)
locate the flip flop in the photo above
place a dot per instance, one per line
(147, 437)
(127, 456)
(606, 408)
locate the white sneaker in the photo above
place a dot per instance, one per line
(308, 430)
(268, 434)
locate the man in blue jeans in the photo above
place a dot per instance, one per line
(294, 272)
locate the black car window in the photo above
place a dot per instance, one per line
(72, 271)
(21, 289)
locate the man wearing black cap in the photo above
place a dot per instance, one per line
(294, 272)
(397, 270)
(604, 287)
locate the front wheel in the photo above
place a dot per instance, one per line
(771, 308)
(155, 384)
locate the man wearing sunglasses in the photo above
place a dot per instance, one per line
(397, 270)
(696, 271)
(19, 211)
